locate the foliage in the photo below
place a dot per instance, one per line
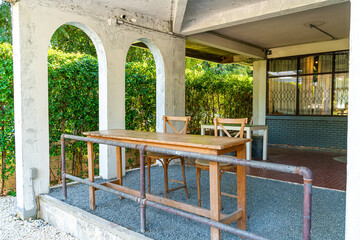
(216, 90)
(7, 141)
(5, 22)
(71, 39)
(73, 101)
(140, 100)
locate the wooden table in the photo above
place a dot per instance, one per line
(192, 143)
(248, 129)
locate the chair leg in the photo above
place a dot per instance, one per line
(166, 181)
(182, 160)
(148, 173)
(198, 173)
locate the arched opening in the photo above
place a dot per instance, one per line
(74, 70)
(140, 93)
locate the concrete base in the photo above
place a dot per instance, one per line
(80, 223)
(25, 214)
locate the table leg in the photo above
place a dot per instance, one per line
(265, 142)
(90, 153)
(119, 167)
(241, 188)
(202, 130)
(215, 200)
(248, 145)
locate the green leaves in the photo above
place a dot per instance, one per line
(7, 140)
(216, 90)
(5, 22)
(140, 98)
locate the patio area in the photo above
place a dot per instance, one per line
(303, 89)
(274, 207)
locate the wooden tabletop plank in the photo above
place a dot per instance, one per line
(186, 140)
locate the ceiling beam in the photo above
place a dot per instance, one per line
(178, 13)
(250, 13)
(192, 53)
(227, 44)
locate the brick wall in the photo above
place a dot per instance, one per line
(322, 132)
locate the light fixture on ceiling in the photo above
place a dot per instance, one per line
(316, 25)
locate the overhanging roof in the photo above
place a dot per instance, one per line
(232, 30)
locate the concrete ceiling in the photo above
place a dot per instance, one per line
(293, 29)
(226, 28)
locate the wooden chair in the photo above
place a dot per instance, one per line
(204, 164)
(166, 159)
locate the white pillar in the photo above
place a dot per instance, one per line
(170, 82)
(259, 92)
(111, 107)
(31, 110)
(352, 228)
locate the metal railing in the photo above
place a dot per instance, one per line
(303, 171)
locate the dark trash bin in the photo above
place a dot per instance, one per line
(257, 146)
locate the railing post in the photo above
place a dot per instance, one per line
(63, 167)
(142, 191)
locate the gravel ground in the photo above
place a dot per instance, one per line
(274, 208)
(13, 228)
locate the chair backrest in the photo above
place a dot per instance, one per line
(169, 119)
(220, 121)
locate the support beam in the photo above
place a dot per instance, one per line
(250, 12)
(310, 48)
(352, 230)
(178, 14)
(226, 44)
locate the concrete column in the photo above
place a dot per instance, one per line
(170, 82)
(111, 106)
(31, 109)
(259, 92)
(352, 230)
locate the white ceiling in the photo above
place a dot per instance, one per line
(290, 29)
(198, 8)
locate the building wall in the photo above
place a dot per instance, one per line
(34, 22)
(311, 131)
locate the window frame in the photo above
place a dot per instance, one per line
(297, 57)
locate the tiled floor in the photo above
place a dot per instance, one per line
(328, 173)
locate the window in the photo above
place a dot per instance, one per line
(309, 85)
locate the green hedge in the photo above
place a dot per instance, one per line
(7, 140)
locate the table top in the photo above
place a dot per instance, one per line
(171, 140)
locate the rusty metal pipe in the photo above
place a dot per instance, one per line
(209, 222)
(101, 187)
(63, 167)
(142, 191)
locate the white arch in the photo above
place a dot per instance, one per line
(160, 80)
(101, 57)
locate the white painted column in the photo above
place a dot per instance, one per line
(30, 46)
(170, 82)
(352, 228)
(259, 92)
(111, 106)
